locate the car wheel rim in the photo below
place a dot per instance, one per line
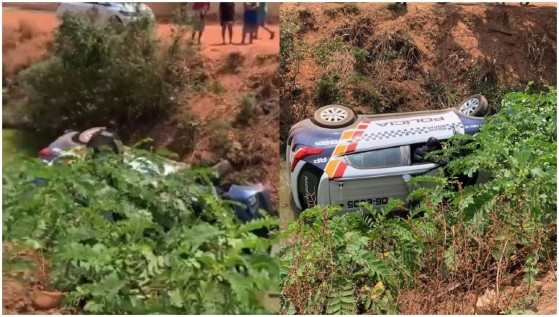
(333, 114)
(469, 106)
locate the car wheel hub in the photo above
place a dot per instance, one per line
(333, 114)
(469, 106)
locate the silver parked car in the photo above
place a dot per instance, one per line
(105, 12)
(338, 158)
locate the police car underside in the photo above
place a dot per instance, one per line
(370, 161)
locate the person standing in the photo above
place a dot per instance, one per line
(250, 20)
(200, 9)
(262, 16)
(227, 19)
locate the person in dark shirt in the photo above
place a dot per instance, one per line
(432, 144)
(104, 138)
(227, 19)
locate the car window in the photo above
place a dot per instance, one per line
(389, 157)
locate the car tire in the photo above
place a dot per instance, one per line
(334, 116)
(475, 106)
(86, 135)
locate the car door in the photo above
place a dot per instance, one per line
(375, 177)
(372, 177)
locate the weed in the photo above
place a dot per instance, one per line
(437, 94)
(536, 50)
(220, 139)
(483, 79)
(337, 265)
(217, 88)
(188, 128)
(325, 49)
(331, 13)
(233, 63)
(307, 21)
(348, 8)
(365, 93)
(328, 90)
(362, 57)
(395, 7)
(391, 45)
(247, 109)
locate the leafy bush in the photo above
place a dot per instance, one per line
(518, 147)
(324, 50)
(100, 72)
(365, 93)
(328, 90)
(348, 8)
(395, 7)
(360, 56)
(220, 141)
(122, 242)
(346, 264)
(247, 109)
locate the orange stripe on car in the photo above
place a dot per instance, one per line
(347, 135)
(331, 167)
(340, 149)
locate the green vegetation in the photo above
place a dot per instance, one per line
(247, 109)
(306, 21)
(118, 241)
(220, 142)
(348, 8)
(395, 7)
(100, 72)
(329, 91)
(483, 79)
(20, 143)
(455, 235)
(360, 56)
(323, 51)
(365, 93)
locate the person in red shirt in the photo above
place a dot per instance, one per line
(200, 9)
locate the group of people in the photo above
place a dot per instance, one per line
(254, 18)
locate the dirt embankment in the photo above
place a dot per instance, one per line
(422, 56)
